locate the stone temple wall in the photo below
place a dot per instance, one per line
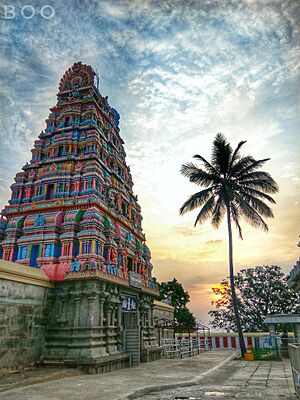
(91, 320)
(23, 295)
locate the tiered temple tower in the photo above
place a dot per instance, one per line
(74, 198)
(73, 214)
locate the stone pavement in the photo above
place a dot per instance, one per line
(208, 376)
(238, 380)
(119, 384)
(12, 379)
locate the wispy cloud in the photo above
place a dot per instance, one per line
(213, 242)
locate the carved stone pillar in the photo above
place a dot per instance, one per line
(119, 326)
(102, 297)
(108, 315)
(112, 310)
(62, 318)
(77, 299)
(151, 315)
(119, 315)
(93, 316)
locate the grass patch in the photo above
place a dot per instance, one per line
(265, 355)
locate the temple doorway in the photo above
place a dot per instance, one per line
(130, 323)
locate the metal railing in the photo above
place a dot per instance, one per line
(294, 352)
(184, 347)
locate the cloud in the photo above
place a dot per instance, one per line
(190, 273)
(185, 231)
(213, 242)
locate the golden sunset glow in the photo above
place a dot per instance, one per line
(216, 297)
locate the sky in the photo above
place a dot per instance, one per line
(178, 72)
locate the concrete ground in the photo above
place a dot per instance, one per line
(211, 375)
(12, 379)
(238, 380)
(118, 384)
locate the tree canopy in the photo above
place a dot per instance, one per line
(174, 291)
(185, 319)
(260, 291)
(234, 185)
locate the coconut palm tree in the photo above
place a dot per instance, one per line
(235, 188)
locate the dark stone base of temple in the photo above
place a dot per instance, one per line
(106, 364)
(151, 354)
(78, 322)
(87, 326)
(92, 366)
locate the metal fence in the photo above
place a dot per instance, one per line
(173, 348)
(294, 351)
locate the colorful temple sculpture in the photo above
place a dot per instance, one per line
(74, 215)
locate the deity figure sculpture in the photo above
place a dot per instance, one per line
(87, 264)
(94, 265)
(129, 212)
(33, 173)
(136, 219)
(75, 265)
(119, 201)
(124, 256)
(136, 262)
(117, 231)
(123, 261)
(78, 166)
(100, 265)
(114, 257)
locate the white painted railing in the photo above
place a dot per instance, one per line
(173, 348)
(294, 351)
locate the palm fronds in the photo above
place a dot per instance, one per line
(231, 181)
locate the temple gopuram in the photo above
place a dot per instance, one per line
(73, 214)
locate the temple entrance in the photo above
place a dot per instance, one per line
(34, 255)
(130, 320)
(130, 323)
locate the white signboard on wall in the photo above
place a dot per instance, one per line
(135, 280)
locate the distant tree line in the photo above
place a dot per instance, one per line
(260, 291)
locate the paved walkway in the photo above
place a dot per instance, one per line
(118, 384)
(238, 380)
(209, 376)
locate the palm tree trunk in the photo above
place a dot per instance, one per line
(232, 285)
